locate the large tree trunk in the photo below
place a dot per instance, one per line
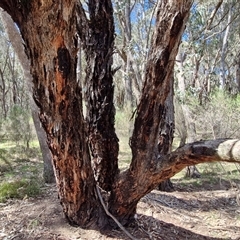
(49, 31)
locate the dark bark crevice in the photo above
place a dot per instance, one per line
(98, 38)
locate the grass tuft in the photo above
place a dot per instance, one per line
(19, 189)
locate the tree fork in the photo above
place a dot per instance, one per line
(51, 45)
(226, 150)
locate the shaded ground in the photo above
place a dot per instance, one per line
(188, 213)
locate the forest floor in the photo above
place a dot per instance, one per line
(203, 208)
(198, 209)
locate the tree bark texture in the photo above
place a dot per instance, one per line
(166, 134)
(98, 38)
(147, 144)
(237, 67)
(49, 32)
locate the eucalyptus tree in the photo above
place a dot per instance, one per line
(133, 23)
(210, 46)
(85, 151)
(12, 87)
(16, 42)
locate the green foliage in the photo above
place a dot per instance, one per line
(18, 127)
(18, 189)
(213, 175)
(20, 171)
(124, 127)
(4, 163)
(217, 117)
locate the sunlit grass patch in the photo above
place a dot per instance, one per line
(19, 189)
(219, 174)
(21, 171)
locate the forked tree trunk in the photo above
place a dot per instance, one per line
(49, 31)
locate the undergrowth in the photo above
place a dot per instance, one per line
(20, 172)
(19, 189)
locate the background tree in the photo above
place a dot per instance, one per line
(133, 21)
(51, 44)
(13, 98)
(208, 46)
(15, 38)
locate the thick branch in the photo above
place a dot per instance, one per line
(152, 110)
(227, 150)
(166, 166)
(210, 20)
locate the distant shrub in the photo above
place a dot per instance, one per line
(17, 125)
(18, 189)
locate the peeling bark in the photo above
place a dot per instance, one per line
(151, 112)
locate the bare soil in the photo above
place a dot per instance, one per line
(188, 213)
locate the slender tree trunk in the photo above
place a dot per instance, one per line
(128, 65)
(4, 89)
(48, 172)
(15, 38)
(179, 75)
(237, 67)
(223, 70)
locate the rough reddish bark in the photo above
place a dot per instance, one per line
(49, 31)
(148, 146)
